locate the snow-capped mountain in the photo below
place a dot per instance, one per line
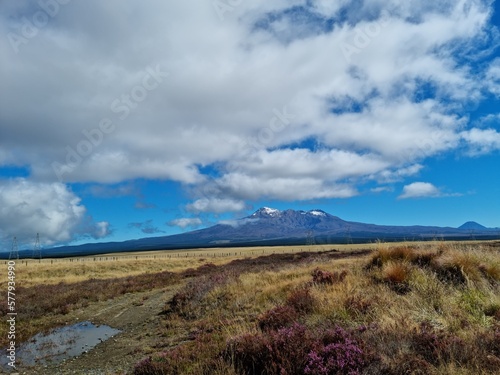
(270, 226)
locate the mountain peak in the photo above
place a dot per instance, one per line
(317, 212)
(266, 212)
(472, 225)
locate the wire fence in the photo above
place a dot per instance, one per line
(164, 256)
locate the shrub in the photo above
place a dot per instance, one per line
(199, 356)
(326, 277)
(276, 352)
(147, 367)
(188, 301)
(277, 317)
(296, 350)
(337, 353)
(302, 301)
(436, 346)
(249, 353)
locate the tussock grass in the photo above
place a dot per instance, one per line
(396, 272)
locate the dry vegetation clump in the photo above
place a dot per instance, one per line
(301, 300)
(396, 272)
(298, 304)
(278, 317)
(490, 270)
(328, 278)
(188, 302)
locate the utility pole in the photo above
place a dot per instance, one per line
(14, 251)
(37, 250)
(472, 234)
(310, 238)
(348, 235)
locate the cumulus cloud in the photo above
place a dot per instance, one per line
(102, 230)
(185, 223)
(420, 190)
(216, 205)
(51, 209)
(481, 141)
(107, 191)
(493, 77)
(91, 99)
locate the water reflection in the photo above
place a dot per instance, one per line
(62, 343)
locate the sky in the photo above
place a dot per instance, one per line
(124, 119)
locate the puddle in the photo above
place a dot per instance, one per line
(62, 343)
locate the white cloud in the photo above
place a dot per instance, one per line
(282, 188)
(493, 77)
(420, 190)
(388, 176)
(216, 205)
(321, 164)
(219, 83)
(185, 223)
(481, 141)
(102, 229)
(237, 223)
(382, 189)
(50, 209)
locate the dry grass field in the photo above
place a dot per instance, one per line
(70, 270)
(412, 308)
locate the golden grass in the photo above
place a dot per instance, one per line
(396, 272)
(71, 270)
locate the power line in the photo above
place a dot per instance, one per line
(472, 234)
(14, 251)
(37, 249)
(348, 235)
(310, 238)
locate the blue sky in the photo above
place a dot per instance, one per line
(125, 119)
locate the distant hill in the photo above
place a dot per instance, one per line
(269, 226)
(472, 225)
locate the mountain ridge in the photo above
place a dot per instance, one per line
(269, 226)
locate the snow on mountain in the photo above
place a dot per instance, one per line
(266, 212)
(317, 213)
